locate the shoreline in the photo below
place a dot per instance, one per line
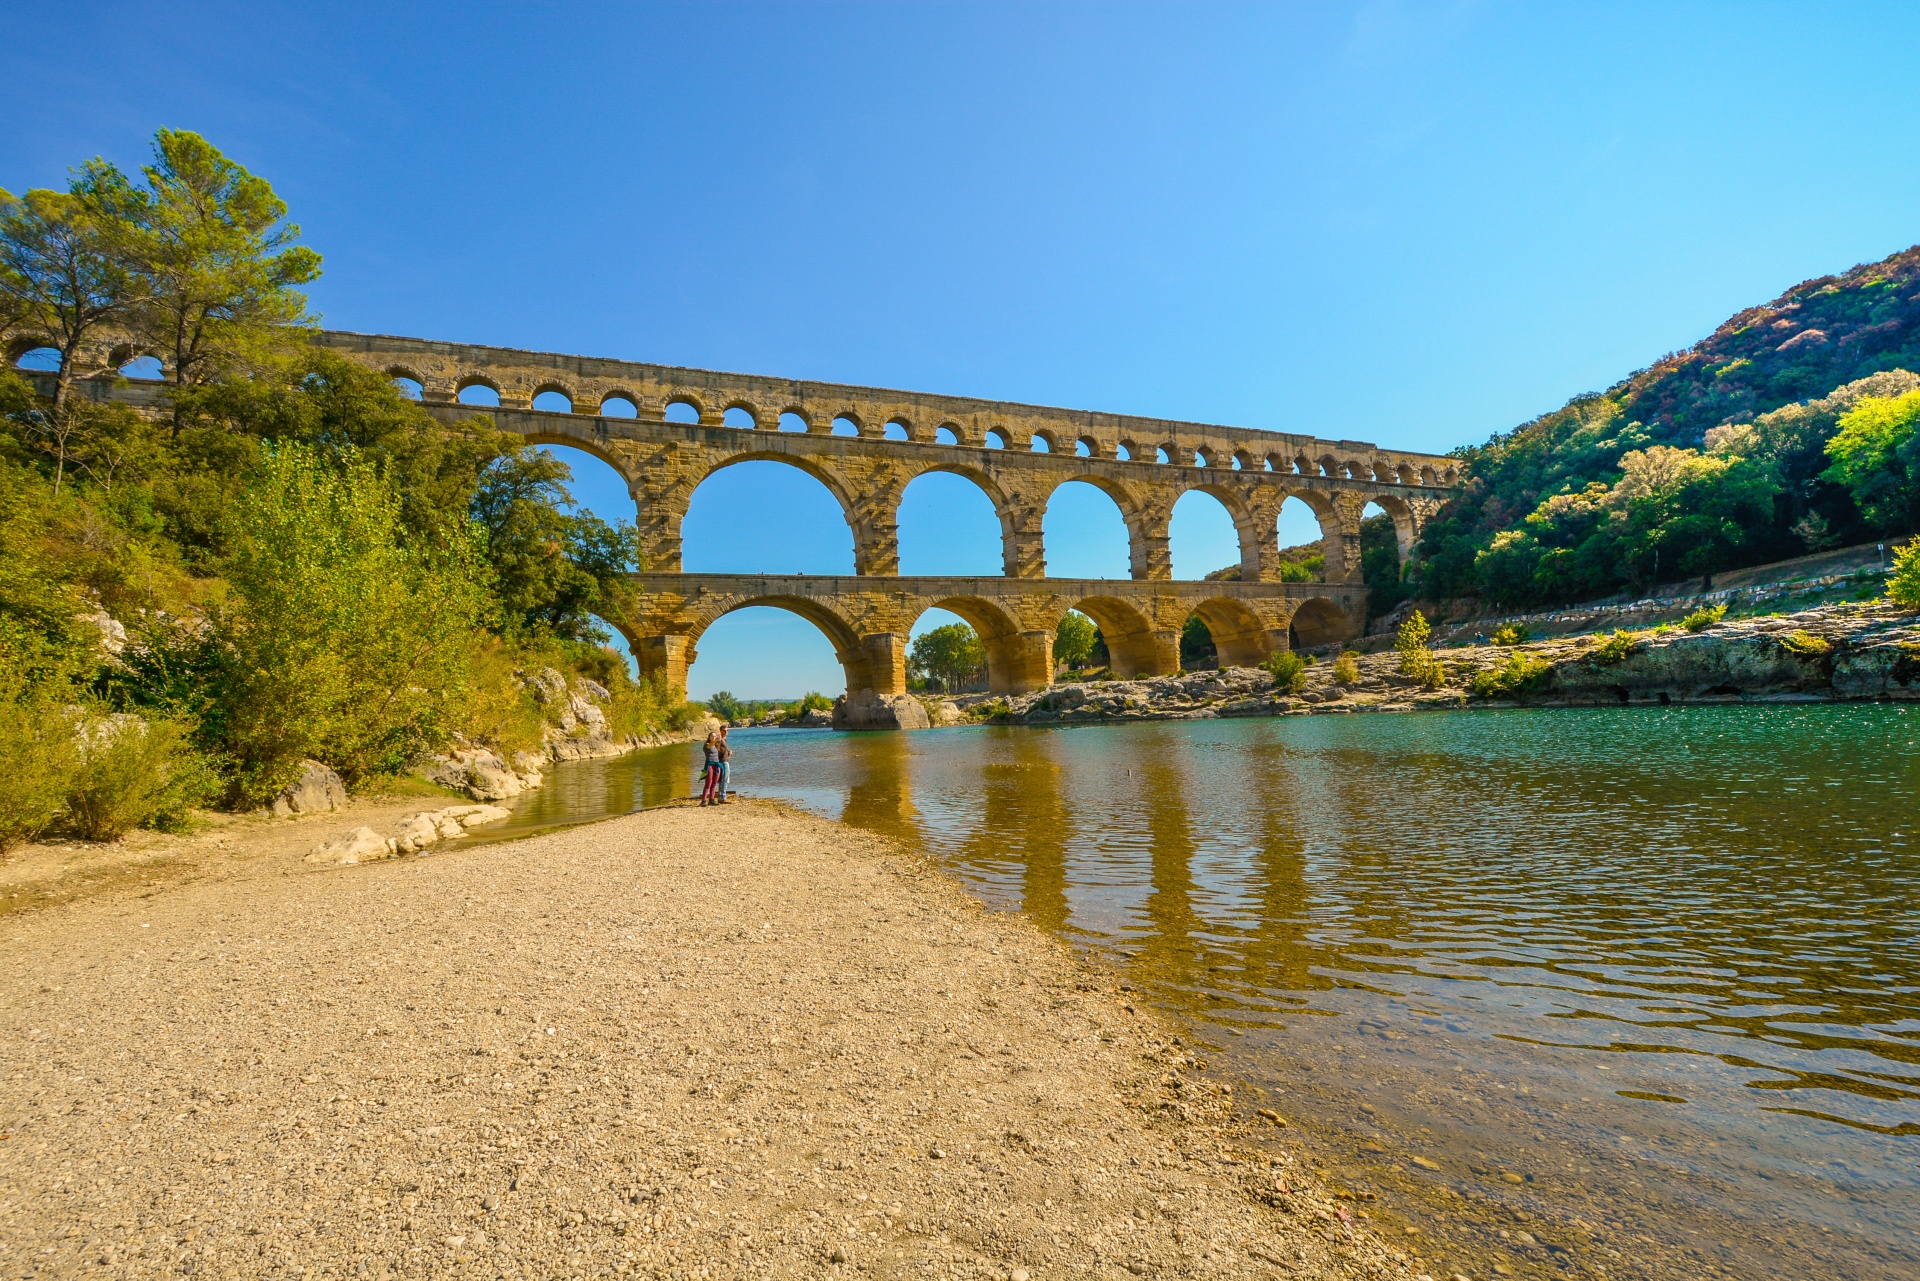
(1856, 653)
(619, 1048)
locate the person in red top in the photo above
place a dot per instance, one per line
(710, 769)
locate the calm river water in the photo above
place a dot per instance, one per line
(1611, 993)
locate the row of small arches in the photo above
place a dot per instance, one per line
(482, 392)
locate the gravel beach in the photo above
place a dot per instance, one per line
(685, 1043)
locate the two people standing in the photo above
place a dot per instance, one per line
(716, 753)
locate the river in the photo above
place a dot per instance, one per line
(1614, 992)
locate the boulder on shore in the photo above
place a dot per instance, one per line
(316, 791)
(361, 845)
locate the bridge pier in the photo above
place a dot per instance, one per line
(665, 659)
(1019, 662)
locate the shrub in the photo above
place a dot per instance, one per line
(38, 758)
(1904, 587)
(1346, 668)
(1411, 644)
(1511, 634)
(135, 773)
(1804, 643)
(1289, 671)
(1416, 659)
(345, 638)
(1615, 648)
(1520, 674)
(1704, 617)
(814, 701)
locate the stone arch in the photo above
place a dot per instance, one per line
(852, 418)
(996, 496)
(864, 542)
(1090, 444)
(746, 407)
(1141, 537)
(1018, 661)
(1246, 526)
(553, 388)
(1134, 646)
(669, 657)
(1406, 526)
(1050, 438)
(684, 398)
(616, 393)
(584, 439)
(1318, 621)
(904, 423)
(391, 371)
(1240, 636)
(475, 380)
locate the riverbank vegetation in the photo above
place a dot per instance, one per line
(1794, 428)
(281, 556)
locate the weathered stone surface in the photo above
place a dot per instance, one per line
(316, 791)
(361, 845)
(878, 711)
(421, 830)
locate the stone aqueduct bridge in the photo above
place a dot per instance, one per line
(902, 435)
(897, 437)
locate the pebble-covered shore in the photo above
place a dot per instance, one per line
(690, 1042)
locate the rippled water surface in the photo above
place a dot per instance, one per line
(1620, 993)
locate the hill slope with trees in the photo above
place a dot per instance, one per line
(288, 560)
(1790, 429)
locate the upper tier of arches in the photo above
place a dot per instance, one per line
(665, 393)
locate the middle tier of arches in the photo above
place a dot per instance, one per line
(869, 486)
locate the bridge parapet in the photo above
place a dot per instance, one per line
(443, 370)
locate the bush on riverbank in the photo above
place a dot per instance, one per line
(1289, 671)
(1903, 588)
(1704, 617)
(1522, 673)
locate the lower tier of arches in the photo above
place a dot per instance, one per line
(869, 619)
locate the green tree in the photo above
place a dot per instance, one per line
(726, 706)
(1876, 455)
(951, 655)
(1073, 640)
(342, 639)
(217, 264)
(1196, 643)
(552, 566)
(60, 276)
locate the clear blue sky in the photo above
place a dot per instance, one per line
(1415, 224)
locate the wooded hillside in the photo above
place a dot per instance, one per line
(1789, 430)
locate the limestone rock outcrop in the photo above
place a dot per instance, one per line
(417, 831)
(318, 790)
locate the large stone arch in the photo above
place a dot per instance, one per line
(1406, 524)
(1019, 659)
(1318, 621)
(1003, 505)
(1241, 637)
(1136, 645)
(1254, 541)
(675, 501)
(1147, 554)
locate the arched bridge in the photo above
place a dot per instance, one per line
(867, 444)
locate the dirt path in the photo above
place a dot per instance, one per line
(681, 1043)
